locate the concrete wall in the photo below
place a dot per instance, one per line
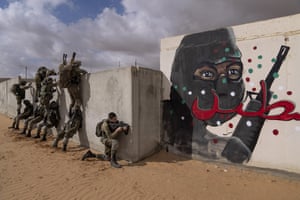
(8, 101)
(279, 140)
(133, 93)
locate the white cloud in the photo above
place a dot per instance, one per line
(31, 36)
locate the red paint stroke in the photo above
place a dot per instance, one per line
(286, 115)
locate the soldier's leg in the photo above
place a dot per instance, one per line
(72, 98)
(19, 106)
(44, 138)
(27, 121)
(33, 123)
(39, 128)
(77, 96)
(14, 123)
(59, 137)
(30, 126)
(18, 118)
(114, 148)
(68, 135)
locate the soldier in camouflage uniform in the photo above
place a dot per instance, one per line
(28, 111)
(40, 75)
(70, 78)
(51, 120)
(47, 90)
(109, 131)
(18, 89)
(70, 128)
(37, 117)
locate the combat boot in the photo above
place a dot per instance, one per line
(64, 147)
(55, 143)
(37, 135)
(13, 124)
(113, 161)
(28, 133)
(24, 131)
(88, 154)
(44, 138)
(103, 157)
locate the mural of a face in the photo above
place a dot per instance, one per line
(207, 63)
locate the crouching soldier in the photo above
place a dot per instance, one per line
(109, 131)
(27, 112)
(70, 128)
(51, 119)
(37, 117)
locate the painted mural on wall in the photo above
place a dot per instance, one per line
(208, 90)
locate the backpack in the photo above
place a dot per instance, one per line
(64, 77)
(16, 90)
(99, 132)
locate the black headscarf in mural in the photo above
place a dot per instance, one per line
(213, 48)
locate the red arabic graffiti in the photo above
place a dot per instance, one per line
(286, 115)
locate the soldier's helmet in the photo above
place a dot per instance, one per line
(42, 69)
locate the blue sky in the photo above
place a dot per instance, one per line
(111, 33)
(85, 8)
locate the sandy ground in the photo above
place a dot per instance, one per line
(30, 169)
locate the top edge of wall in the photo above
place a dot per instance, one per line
(287, 25)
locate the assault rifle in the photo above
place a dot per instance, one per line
(113, 126)
(240, 147)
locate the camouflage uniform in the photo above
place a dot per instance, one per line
(33, 120)
(18, 90)
(28, 111)
(47, 91)
(74, 86)
(40, 76)
(51, 120)
(70, 128)
(109, 131)
(70, 78)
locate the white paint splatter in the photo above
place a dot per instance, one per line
(281, 88)
(249, 123)
(252, 84)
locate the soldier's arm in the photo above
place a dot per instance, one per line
(27, 86)
(106, 130)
